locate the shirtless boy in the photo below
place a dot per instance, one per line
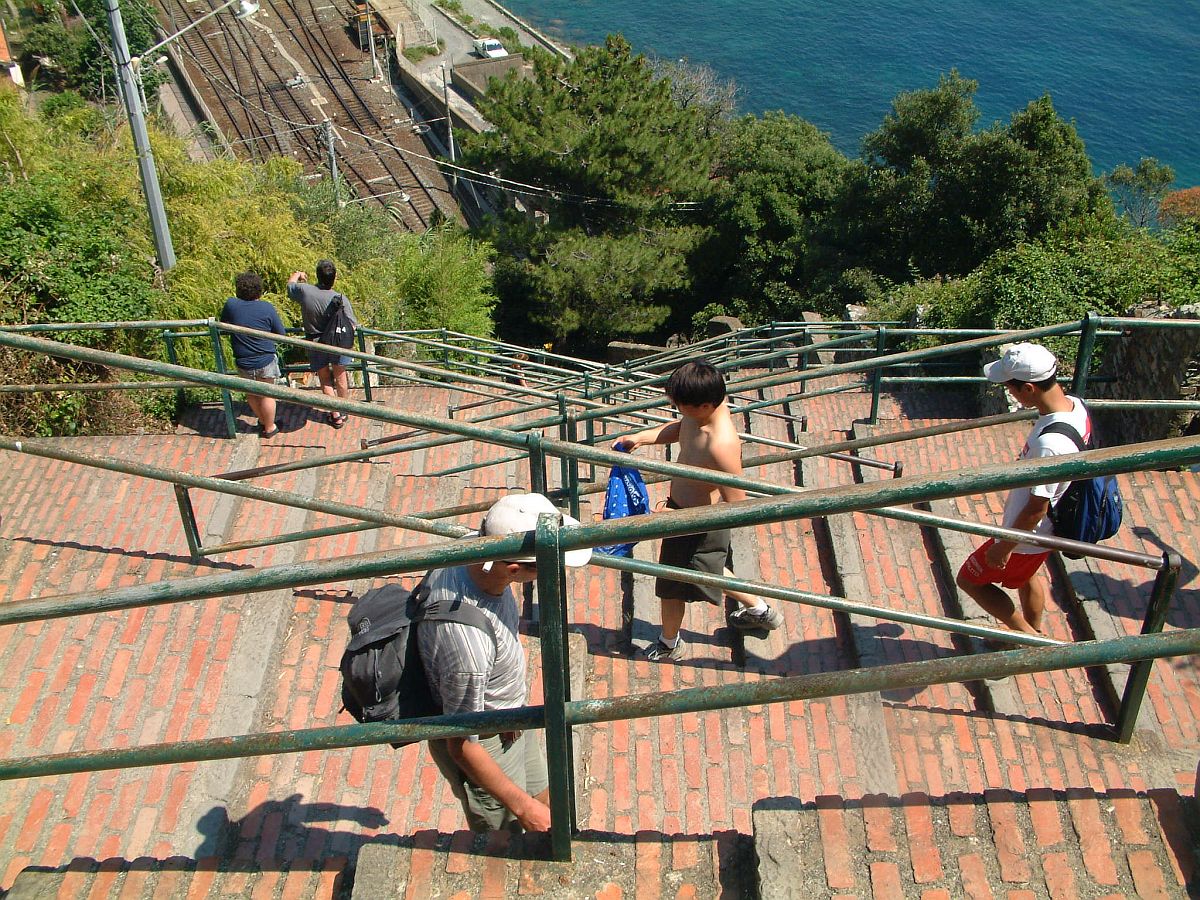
(707, 439)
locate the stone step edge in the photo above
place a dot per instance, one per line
(838, 542)
(950, 548)
(170, 878)
(382, 870)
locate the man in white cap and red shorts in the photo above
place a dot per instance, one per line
(500, 779)
(1028, 372)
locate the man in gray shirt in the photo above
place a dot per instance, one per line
(314, 300)
(500, 779)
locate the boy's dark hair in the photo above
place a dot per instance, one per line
(326, 273)
(248, 286)
(1043, 385)
(695, 383)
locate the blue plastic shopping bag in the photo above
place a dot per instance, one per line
(626, 496)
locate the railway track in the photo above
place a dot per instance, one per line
(273, 84)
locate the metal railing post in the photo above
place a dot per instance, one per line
(572, 482)
(187, 515)
(1083, 361)
(1139, 673)
(363, 366)
(589, 429)
(877, 375)
(556, 685)
(537, 464)
(564, 464)
(173, 359)
(219, 358)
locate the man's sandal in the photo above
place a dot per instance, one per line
(337, 420)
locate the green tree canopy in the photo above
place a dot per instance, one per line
(935, 197)
(625, 162)
(777, 178)
(79, 48)
(599, 128)
(1139, 191)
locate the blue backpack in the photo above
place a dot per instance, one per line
(626, 496)
(1091, 509)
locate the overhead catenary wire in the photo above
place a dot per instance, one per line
(517, 187)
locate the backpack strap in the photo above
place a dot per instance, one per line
(1068, 430)
(461, 612)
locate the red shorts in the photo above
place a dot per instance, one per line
(1016, 572)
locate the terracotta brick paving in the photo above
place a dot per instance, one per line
(677, 792)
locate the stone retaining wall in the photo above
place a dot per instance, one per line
(1151, 363)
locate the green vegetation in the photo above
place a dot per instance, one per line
(75, 247)
(633, 203)
(417, 52)
(1002, 225)
(624, 166)
(453, 6)
(1139, 191)
(60, 49)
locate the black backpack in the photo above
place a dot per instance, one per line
(337, 329)
(1091, 509)
(383, 677)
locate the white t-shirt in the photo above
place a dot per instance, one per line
(1038, 445)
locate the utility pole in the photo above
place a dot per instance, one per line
(449, 125)
(327, 129)
(131, 94)
(371, 41)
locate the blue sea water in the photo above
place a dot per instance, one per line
(1126, 71)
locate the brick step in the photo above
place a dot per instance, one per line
(1078, 609)
(934, 556)
(896, 563)
(175, 878)
(1038, 844)
(463, 864)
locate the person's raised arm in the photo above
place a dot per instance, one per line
(667, 433)
(297, 279)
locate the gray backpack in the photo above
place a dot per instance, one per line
(383, 678)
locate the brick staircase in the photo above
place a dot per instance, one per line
(1040, 844)
(941, 793)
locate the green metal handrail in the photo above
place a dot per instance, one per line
(550, 541)
(817, 686)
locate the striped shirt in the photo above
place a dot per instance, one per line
(467, 672)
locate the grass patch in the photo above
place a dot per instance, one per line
(416, 54)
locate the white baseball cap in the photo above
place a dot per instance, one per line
(516, 513)
(1022, 362)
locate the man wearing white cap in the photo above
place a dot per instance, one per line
(1028, 373)
(500, 779)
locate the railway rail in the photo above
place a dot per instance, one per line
(274, 83)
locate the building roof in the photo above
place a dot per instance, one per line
(6, 58)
